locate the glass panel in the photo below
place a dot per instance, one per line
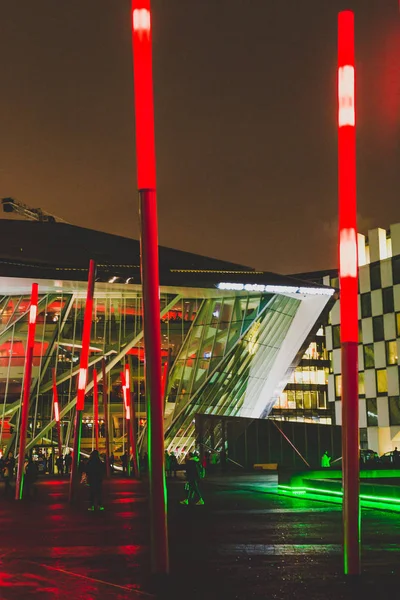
(394, 410)
(336, 336)
(338, 386)
(388, 300)
(377, 326)
(366, 309)
(361, 386)
(372, 412)
(375, 273)
(369, 358)
(381, 381)
(391, 352)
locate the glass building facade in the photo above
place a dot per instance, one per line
(231, 336)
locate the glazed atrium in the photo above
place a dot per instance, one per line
(231, 336)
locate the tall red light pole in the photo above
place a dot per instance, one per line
(57, 413)
(19, 486)
(96, 409)
(82, 378)
(146, 174)
(348, 273)
(127, 406)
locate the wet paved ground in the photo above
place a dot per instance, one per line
(246, 542)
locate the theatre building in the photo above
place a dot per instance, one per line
(231, 336)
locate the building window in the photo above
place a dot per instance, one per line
(330, 361)
(361, 386)
(398, 324)
(338, 386)
(360, 335)
(388, 300)
(372, 412)
(396, 269)
(366, 308)
(369, 359)
(375, 274)
(364, 438)
(321, 400)
(381, 382)
(377, 327)
(394, 410)
(336, 336)
(391, 352)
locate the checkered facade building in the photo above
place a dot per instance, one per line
(379, 341)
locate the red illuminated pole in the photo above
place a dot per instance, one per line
(127, 420)
(105, 406)
(57, 413)
(19, 486)
(132, 423)
(96, 409)
(82, 378)
(348, 272)
(146, 173)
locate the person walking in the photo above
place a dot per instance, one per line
(124, 462)
(68, 463)
(325, 460)
(173, 463)
(8, 473)
(94, 469)
(30, 478)
(60, 465)
(167, 460)
(194, 473)
(112, 460)
(396, 457)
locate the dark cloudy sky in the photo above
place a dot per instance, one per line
(245, 121)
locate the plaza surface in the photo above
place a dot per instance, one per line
(245, 542)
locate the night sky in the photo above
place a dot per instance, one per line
(245, 101)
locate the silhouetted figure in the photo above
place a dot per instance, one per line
(396, 457)
(124, 462)
(112, 460)
(50, 464)
(167, 461)
(8, 473)
(194, 472)
(60, 465)
(173, 461)
(68, 463)
(94, 469)
(30, 477)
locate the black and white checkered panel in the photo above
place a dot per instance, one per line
(379, 318)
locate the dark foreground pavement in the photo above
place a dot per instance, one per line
(246, 542)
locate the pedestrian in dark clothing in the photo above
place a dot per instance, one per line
(68, 462)
(94, 469)
(194, 472)
(173, 463)
(124, 462)
(8, 473)
(30, 478)
(50, 464)
(60, 465)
